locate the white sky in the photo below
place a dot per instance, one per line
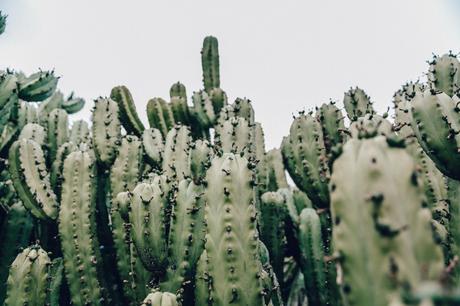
(283, 55)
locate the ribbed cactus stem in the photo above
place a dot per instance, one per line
(128, 114)
(210, 63)
(176, 157)
(77, 229)
(27, 280)
(160, 115)
(160, 299)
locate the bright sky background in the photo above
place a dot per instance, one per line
(283, 55)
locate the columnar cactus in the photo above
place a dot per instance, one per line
(176, 157)
(236, 136)
(106, 130)
(58, 133)
(178, 90)
(276, 174)
(370, 125)
(80, 133)
(160, 299)
(332, 123)
(27, 281)
(38, 86)
(357, 103)
(128, 114)
(231, 265)
(152, 142)
(31, 179)
(210, 63)
(160, 115)
(435, 121)
(2, 22)
(392, 243)
(444, 74)
(77, 229)
(305, 158)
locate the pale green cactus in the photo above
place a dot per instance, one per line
(176, 156)
(393, 243)
(236, 136)
(77, 229)
(153, 144)
(210, 63)
(58, 132)
(444, 74)
(2, 22)
(357, 103)
(73, 104)
(160, 299)
(178, 90)
(27, 280)
(160, 115)
(38, 86)
(332, 122)
(232, 263)
(370, 125)
(128, 114)
(80, 133)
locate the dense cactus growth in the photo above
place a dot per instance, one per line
(196, 211)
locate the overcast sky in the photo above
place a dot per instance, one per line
(283, 55)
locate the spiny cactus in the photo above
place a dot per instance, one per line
(276, 173)
(230, 261)
(178, 90)
(56, 282)
(332, 123)
(160, 115)
(152, 142)
(73, 104)
(128, 114)
(236, 136)
(392, 243)
(38, 86)
(80, 133)
(176, 157)
(27, 280)
(77, 229)
(305, 158)
(444, 74)
(58, 133)
(31, 179)
(357, 103)
(210, 63)
(106, 130)
(436, 123)
(370, 125)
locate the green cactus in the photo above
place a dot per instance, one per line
(152, 142)
(276, 173)
(357, 104)
(31, 179)
(176, 157)
(38, 86)
(2, 22)
(34, 132)
(27, 280)
(149, 209)
(128, 114)
(58, 132)
(80, 133)
(332, 123)
(200, 159)
(240, 108)
(203, 110)
(236, 136)
(77, 230)
(106, 130)
(160, 115)
(272, 229)
(15, 234)
(232, 261)
(73, 104)
(218, 98)
(444, 74)
(210, 63)
(305, 158)
(180, 110)
(178, 90)
(54, 296)
(298, 292)
(392, 243)
(185, 238)
(160, 299)
(370, 125)
(436, 122)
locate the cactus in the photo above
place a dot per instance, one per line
(210, 63)
(73, 104)
(435, 121)
(370, 125)
(185, 238)
(357, 103)
(15, 235)
(203, 110)
(38, 86)
(231, 265)
(152, 142)
(444, 74)
(176, 157)
(160, 299)
(276, 174)
(77, 229)
(180, 110)
(2, 22)
(31, 179)
(54, 296)
(34, 132)
(240, 108)
(332, 123)
(272, 229)
(58, 132)
(178, 90)
(305, 158)
(80, 133)
(392, 242)
(160, 115)
(236, 136)
(106, 130)
(27, 280)
(200, 159)
(128, 114)
(149, 206)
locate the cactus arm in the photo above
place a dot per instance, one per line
(38, 86)
(31, 179)
(27, 280)
(180, 110)
(128, 114)
(178, 90)
(106, 130)
(57, 132)
(160, 115)
(176, 157)
(73, 104)
(153, 145)
(444, 74)
(210, 63)
(357, 104)
(80, 133)
(77, 229)
(55, 283)
(160, 299)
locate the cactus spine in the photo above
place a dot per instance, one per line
(210, 63)
(128, 114)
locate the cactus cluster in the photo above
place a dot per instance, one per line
(193, 210)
